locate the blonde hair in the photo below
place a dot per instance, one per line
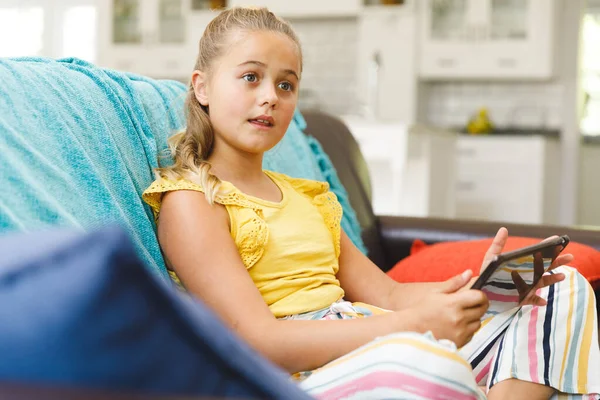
(191, 147)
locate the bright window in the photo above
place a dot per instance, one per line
(22, 30)
(590, 79)
(79, 33)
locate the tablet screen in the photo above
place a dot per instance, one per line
(514, 279)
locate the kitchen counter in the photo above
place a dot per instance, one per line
(549, 133)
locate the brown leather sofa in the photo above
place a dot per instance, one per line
(388, 239)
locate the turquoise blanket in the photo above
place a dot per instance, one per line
(79, 144)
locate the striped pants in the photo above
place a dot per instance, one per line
(555, 345)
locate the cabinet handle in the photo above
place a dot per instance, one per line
(507, 62)
(446, 62)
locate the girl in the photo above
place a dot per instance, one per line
(266, 252)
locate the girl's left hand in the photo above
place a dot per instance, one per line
(532, 298)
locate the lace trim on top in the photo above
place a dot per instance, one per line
(251, 232)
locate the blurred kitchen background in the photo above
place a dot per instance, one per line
(476, 109)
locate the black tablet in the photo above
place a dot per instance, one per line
(510, 276)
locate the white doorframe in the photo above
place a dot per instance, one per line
(570, 31)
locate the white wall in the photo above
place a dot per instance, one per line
(330, 74)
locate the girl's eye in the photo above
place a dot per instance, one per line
(286, 86)
(250, 78)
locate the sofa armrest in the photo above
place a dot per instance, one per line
(398, 233)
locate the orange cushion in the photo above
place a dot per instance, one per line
(441, 261)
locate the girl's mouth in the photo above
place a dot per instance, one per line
(262, 122)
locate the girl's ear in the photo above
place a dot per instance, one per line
(200, 84)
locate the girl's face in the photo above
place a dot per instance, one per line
(251, 91)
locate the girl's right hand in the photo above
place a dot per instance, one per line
(451, 313)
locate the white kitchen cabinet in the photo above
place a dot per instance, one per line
(412, 167)
(305, 8)
(386, 65)
(487, 39)
(149, 37)
(508, 179)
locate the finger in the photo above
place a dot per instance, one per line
(464, 337)
(475, 313)
(550, 279)
(563, 259)
(469, 285)
(457, 282)
(538, 267)
(496, 247)
(520, 284)
(471, 299)
(471, 329)
(534, 300)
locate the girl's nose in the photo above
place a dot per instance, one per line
(269, 96)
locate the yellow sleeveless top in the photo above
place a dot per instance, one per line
(290, 248)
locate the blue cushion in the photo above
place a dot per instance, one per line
(79, 144)
(81, 310)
